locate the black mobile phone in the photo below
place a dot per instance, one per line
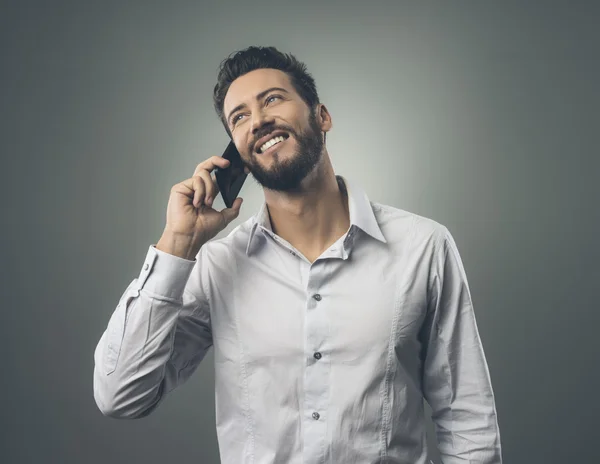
(231, 179)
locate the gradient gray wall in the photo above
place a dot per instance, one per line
(480, 115)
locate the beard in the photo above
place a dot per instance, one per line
(286, 175)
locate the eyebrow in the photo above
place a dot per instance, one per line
(258, 97)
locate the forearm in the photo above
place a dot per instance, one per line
(130, 361)
(466, 423)
(132, 358)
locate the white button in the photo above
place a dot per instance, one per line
(146, 267)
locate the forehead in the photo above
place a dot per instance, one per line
(245, 88)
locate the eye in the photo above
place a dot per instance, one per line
(236, 118)
(271, 97)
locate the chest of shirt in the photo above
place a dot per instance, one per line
(281, 307)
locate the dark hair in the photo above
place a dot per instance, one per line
(239, 63)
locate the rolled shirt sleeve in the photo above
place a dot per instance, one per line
(156, 337)
(456, 379)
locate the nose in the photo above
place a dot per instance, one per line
(259, 119)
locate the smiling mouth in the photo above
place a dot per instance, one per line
(272, 142)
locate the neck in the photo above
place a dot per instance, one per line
(315, 216)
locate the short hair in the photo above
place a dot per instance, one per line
(242, 62)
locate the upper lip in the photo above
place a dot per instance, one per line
(266, 138)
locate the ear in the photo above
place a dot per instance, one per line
(324, 118)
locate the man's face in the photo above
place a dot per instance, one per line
(263, 106)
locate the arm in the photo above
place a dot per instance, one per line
(456, 380)
(157, 336)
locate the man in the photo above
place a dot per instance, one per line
(331, 316)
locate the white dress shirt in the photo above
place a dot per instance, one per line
(323, 362)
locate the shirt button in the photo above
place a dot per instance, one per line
(317, 355)
(317, 297)
(146, 267)
(316, 416)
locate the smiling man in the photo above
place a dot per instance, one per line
(280, 134)
(331, 316)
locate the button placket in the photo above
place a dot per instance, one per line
(318, 369)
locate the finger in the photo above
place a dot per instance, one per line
(185, 187)
(231, 213)
(209, 187)
(211, 163)
(199, 190)
(216, 184)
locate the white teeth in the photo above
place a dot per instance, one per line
(270, 143)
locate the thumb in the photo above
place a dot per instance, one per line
(231, 213)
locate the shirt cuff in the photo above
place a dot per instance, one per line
(165, 274)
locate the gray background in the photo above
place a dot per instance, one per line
(480, 115)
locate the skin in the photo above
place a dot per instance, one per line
(313, 214)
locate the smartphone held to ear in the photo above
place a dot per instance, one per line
(231, 179)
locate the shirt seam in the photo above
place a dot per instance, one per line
(386, 385)
(246, 392)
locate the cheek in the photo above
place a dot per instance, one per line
(241, 142)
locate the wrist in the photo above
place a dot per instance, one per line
(182, 246)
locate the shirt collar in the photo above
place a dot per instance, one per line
(361, 213)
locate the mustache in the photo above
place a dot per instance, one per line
(267, 131)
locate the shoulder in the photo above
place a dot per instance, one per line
(230, 245)
(400, 224)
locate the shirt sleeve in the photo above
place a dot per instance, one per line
(156, 337)
(456, 380)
